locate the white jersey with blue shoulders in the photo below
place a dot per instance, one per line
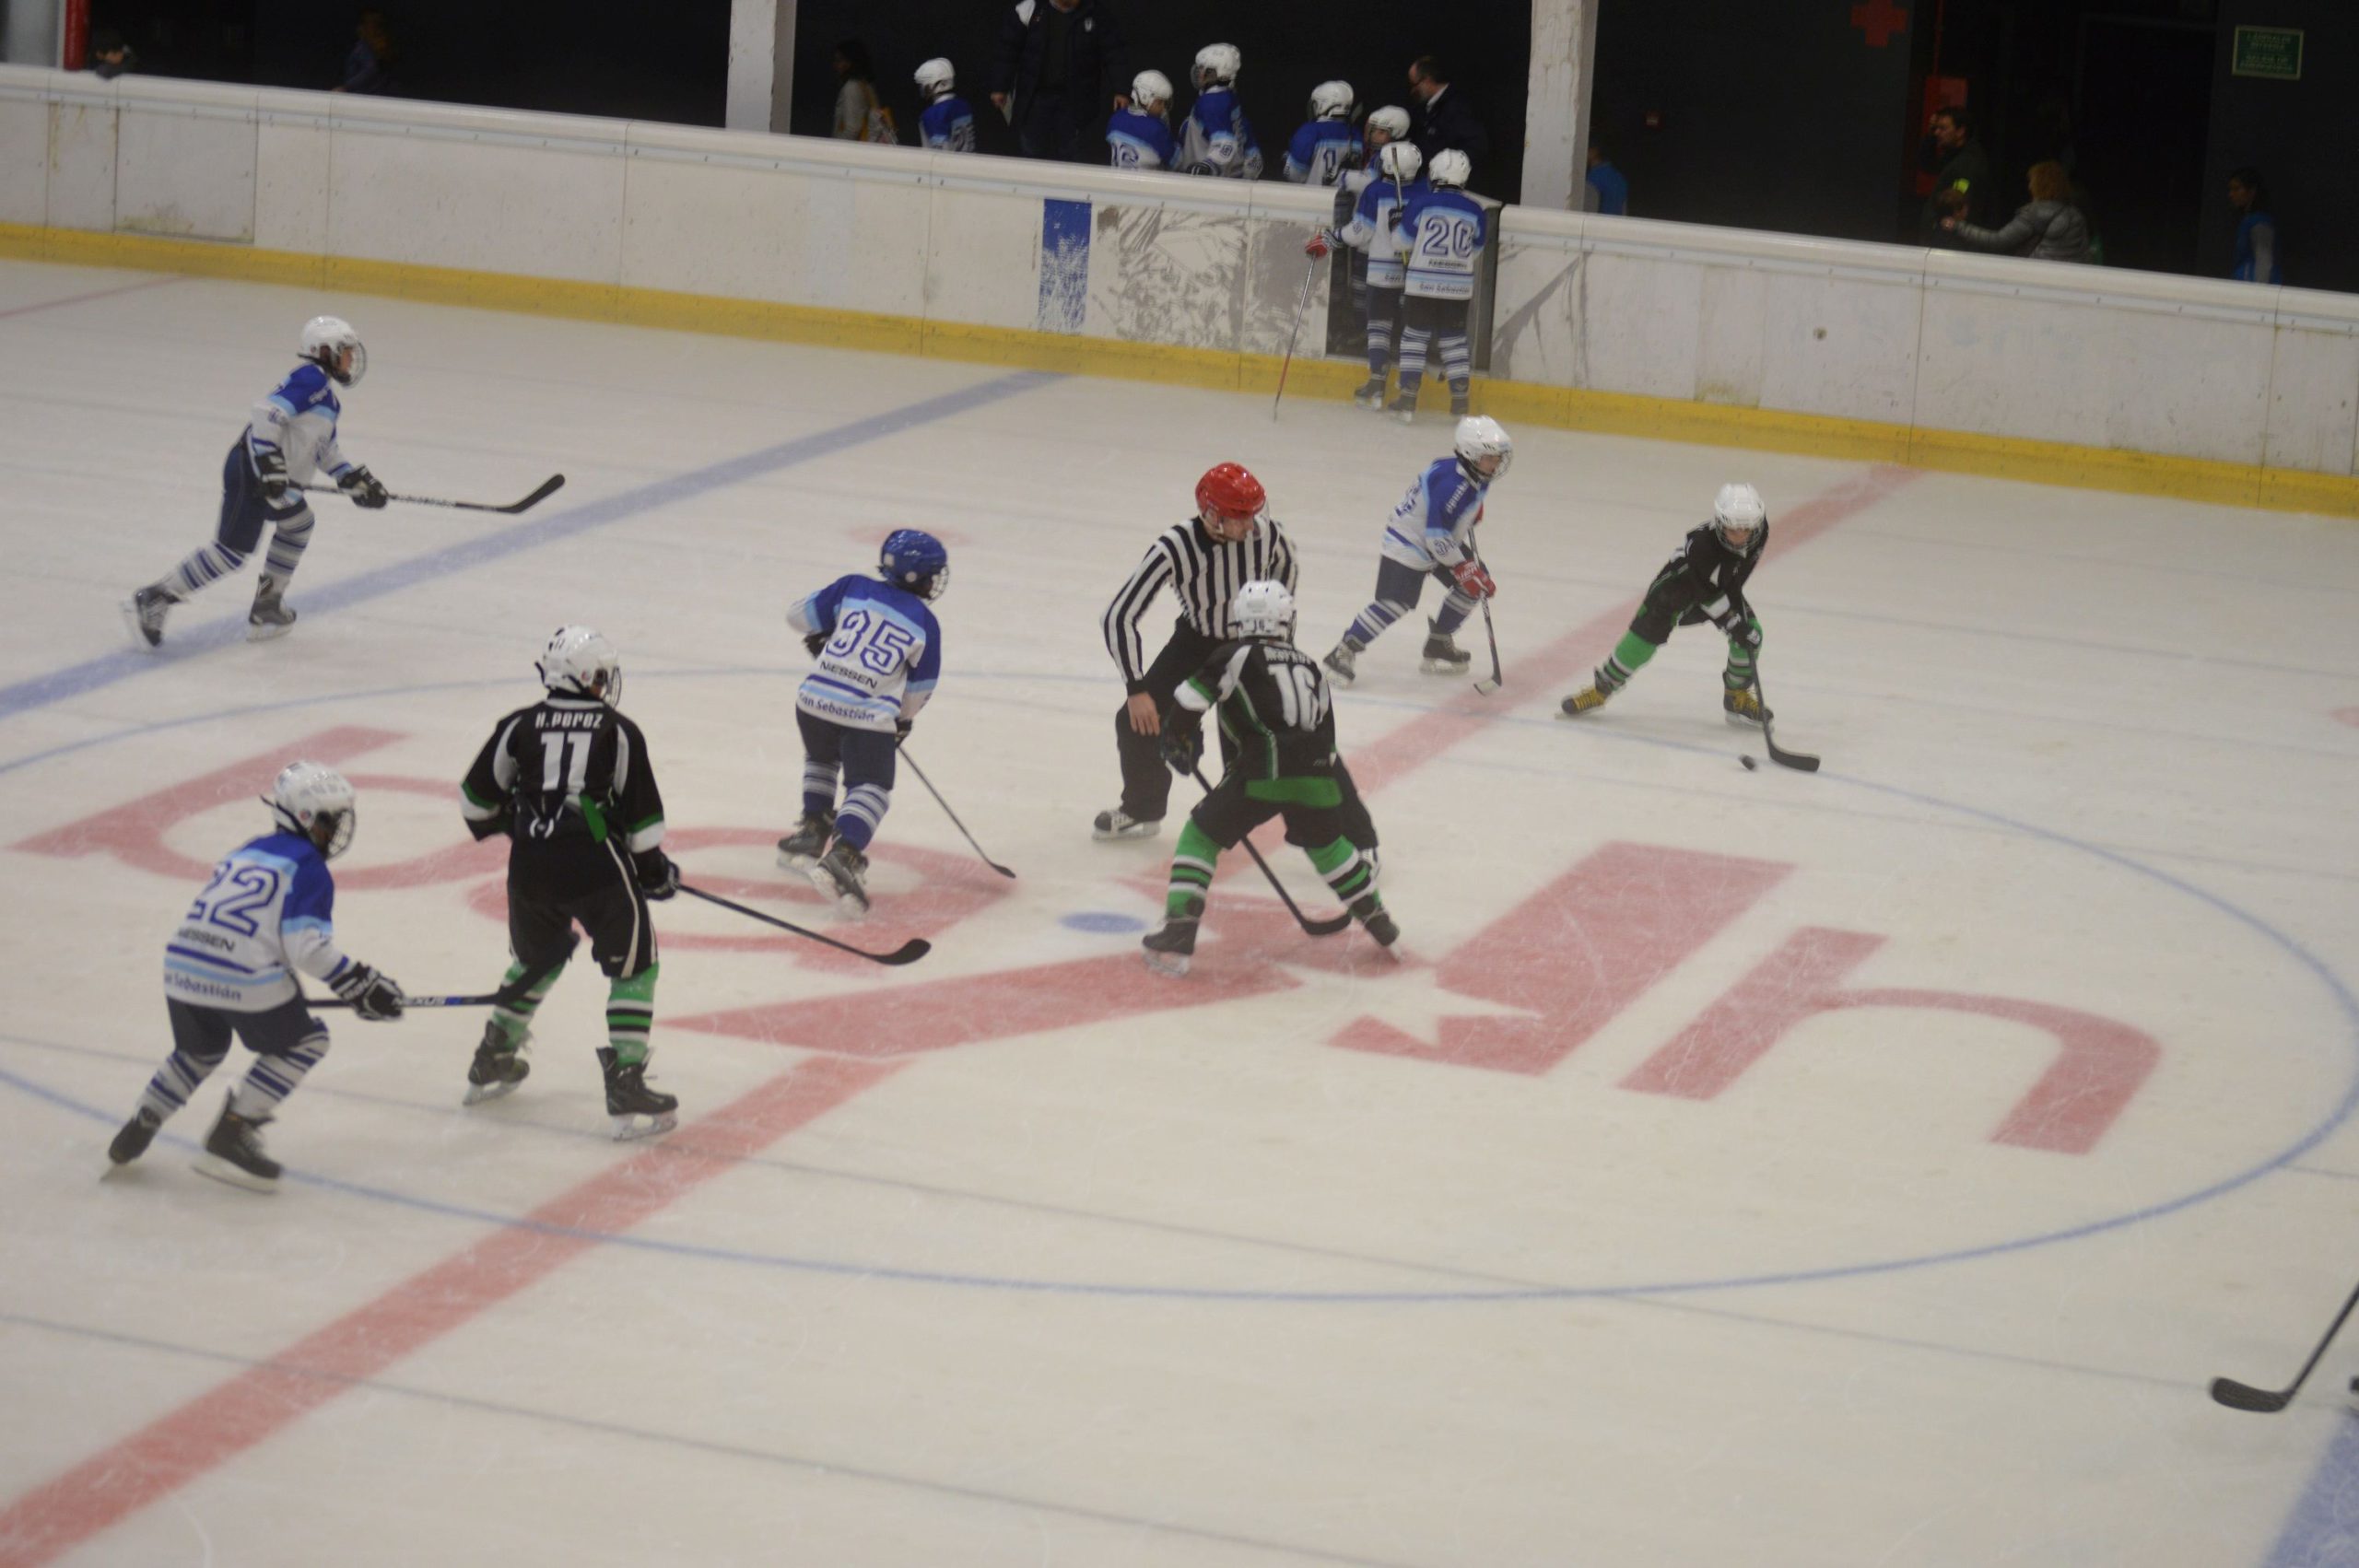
(1372, 229)
(883, 655)
(269, 910)
(1138, 141)
(1321, 151)
(947, 125)
(1442, 236)
(1217, 139)
(297, 421)
(1434, 524)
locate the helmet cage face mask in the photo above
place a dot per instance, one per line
(315, 802)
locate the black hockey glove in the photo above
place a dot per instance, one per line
(1742, 629)
(815, 642)
(659, 878)
(491, 826)
(373, 995)
(363, 488)
(270, 468)
(1183, 747)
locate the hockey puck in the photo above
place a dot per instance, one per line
(1750, 763)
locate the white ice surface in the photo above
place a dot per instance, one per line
(1193, 1285)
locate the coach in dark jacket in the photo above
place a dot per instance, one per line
(1441, 117)
(1059, 66)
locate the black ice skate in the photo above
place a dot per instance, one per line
(638, 1110)
(841, 874)
(1442, 655)
(270, 616)
(807, 842)
(1167, 950)
(1460, 404)
(1739, 704)
(1404, 408)
(1342, 661)
(1372, 395)
(233, 1154)
(1119, 823)
(1588, 700)
(1375, 919)
(144, 611)
(499, 1065)
(136, 1134)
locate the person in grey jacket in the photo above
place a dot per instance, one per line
(2048, 228)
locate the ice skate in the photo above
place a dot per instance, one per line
(807, 842)
(1119, 823)
(144, 611)
(233, 1154)
(136, 1134)
(270, 616)
(1588, 700)
(1372, 395)
(1460, 404)
(839, 874)
(499, 1067)
(1169, 950)
(1375, 919)
(1342, 661)
(1442, 655)
(638, 1110)
(1739, 704)
(1404, 408)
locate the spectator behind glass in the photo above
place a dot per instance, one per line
(1961, 171)
(2048, 228)
(2256, 259)
(1607, 191)
(1441, 116)
(370, 67)
(110, 56)
(861, 115)
(1059, 66)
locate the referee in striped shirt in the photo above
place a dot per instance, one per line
(1231, 540)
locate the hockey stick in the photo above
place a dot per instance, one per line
(1498, 678)
(908, 952)
(1802, 762)
(2245, 1397)
(951, 814)
(1316, 928)
(549, 487)
(513, 991)
(1308, 278)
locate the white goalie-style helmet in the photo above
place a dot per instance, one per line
(1400, 160)
(314, 800)
(581, 662)
(1392, 122)
(935, 78)
(1333, 100)
(1484, 449)
(1451, 169)
(1737, 510)
(323, 343)
(1149, 87)
(1216, 65)
(1263, 609)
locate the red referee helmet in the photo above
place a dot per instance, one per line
(1229, 494)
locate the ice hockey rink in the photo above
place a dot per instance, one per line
(1871, 1168)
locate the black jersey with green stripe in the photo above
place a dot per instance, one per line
(1275, 708)
(567, 768)
(1700, 582)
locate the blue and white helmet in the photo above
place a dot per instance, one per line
(915, 560)
(1264, 608)
(314, 800)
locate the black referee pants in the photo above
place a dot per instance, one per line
(1146, 782)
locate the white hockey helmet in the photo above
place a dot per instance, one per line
(324, 341)
(1484, 449)
(1216, 65)
(1263, 609)
(1450, 170)
(935, 78)
(1737, 510)
(1392, 122)
(1149, 87)
(1333, 100)
(314, 802)
(581, 662)
(1400, 160)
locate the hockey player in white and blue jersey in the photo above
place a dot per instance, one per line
(1140, 137)
(945, 124)
(1432, 534)
(1373, 229)
(290, 438)
(230, 970)
(879, 652)
(1441, 238)
(1326, 145)
(1216, 138)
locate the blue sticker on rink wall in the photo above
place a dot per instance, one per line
(1064, 264)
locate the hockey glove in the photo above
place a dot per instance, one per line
(815, 642)
(1320, 243)
(373, 995)
(1742, 629)
(901, 728)
(491, 826)
(1472, 580)
(1183, 747)
(659, 878)
(363, 488)
(270, 467)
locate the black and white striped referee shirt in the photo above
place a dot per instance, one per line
(1204, 574)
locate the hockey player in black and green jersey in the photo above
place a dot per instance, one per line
(1704, 582)
(1277, 716)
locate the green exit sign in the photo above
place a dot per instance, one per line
(2274, 53)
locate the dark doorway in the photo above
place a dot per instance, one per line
(2143, 93)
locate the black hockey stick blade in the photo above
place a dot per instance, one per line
(1329, 927)
(1801, 761)
(952, 815)
(2244, 1396)
(908, 952)
(549, 487)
